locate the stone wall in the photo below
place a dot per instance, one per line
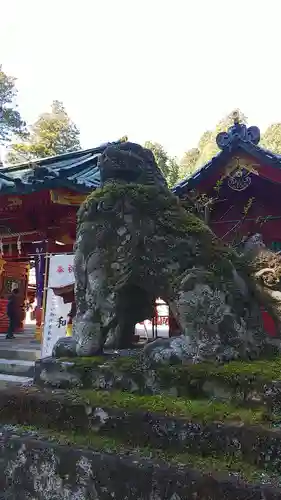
(33, 469)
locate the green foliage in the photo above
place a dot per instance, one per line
(271, 139)
(52, 134)
(188, 162)
(207, 146)
(168, 165)
(160, 156)
(174, 172)
(10, 119)
(205, 139)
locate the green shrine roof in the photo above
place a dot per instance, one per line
(77, 171)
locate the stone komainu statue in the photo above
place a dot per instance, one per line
(136, 243)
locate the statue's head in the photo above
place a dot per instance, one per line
(128, 162)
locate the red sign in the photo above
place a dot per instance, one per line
(160, 321)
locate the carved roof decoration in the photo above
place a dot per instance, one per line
(238, 140)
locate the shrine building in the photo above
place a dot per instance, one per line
(38, 205)
(239, 188)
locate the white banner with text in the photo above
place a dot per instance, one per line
(55, 322)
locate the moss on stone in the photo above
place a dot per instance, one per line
(27, 405)
(85, 362)
(224, 463)
(171, 218)
(237, 376)
(194, 410)
(169, 211)
(188, 379)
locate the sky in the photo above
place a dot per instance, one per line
(159, 70)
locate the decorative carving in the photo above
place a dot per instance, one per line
(14, 202)
(239, 180)
(239, 172)
(237, 162)
(236, 132)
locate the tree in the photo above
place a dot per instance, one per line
(174, 172)
(205, 139)
(168, 166)
(207, 147)
(160, 155)
(271, 139)
(52, 134)
(10, 119)
(188, 162)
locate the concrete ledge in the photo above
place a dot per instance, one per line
(33, 468)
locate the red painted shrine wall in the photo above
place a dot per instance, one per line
(37, 219)
(228, 219)
(36, 216)
(239, 213)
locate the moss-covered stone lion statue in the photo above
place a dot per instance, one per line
(135, 242)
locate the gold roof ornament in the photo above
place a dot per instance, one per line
(124, 138)
(236, 117)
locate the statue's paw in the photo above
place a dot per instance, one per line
(88, 347)
(175, 350)
(88, 337)
(65, 347)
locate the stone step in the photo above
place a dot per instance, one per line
(252, 383)
(17, 367)
(161, 422)
(16, 352)
(13, 380)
